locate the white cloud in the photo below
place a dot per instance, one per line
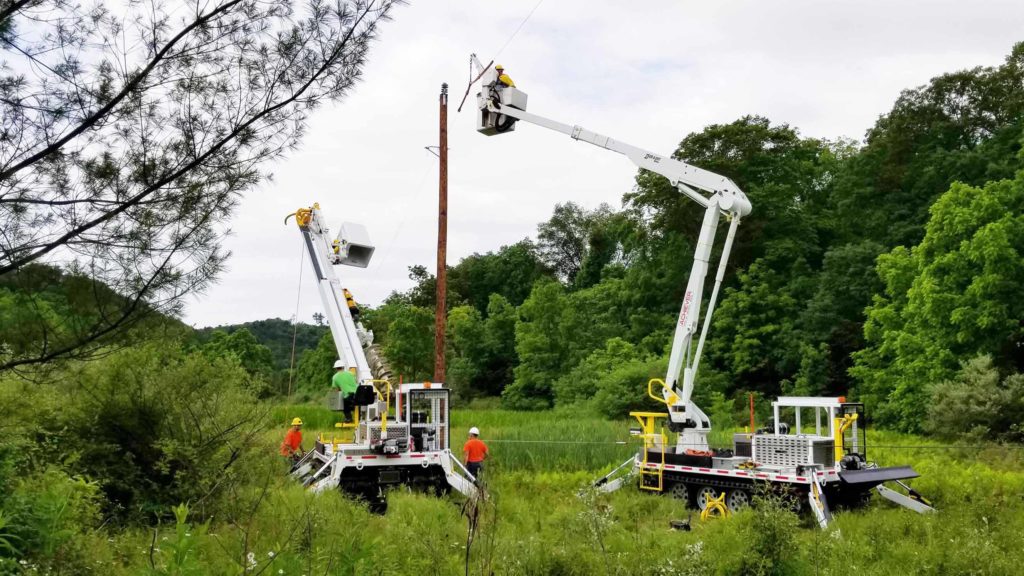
(646, 73)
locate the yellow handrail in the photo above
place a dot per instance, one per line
(672, 397)
(647, 421)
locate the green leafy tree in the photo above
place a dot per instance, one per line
(254, 357)
(564, 241)
(44, 309)
(831, 326)
(540, 346)
(604, 247)
(500, 340)
(277, 335)
(785, 177)
(955, 295)
(466, 349)
(315, 368)
(581, 383)
(482, 350)
(510, 272)
(624, 387)
(754, 328)
(409, 347)
(961, 127)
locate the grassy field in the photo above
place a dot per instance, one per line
(540, 518)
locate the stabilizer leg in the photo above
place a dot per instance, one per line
(816, 497)
(610, 482)
(911, 500)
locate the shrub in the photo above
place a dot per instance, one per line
(156, 427)
(44, 516)
(625, 387)
(771, 535)
(581, 382)
(976, 404)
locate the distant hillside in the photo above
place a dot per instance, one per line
(276, 334)
(50, 314)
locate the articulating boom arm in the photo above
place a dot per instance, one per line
(499, 108)
(351, 248)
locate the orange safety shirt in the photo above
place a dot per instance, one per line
(292, 442)
(475, 450)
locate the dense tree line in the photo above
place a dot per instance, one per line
(871, 269)
(277, 335)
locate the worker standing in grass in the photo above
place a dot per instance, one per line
(476, 452)
(345, 381)
(292, 445)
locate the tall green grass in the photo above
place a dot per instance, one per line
(552, 440)
(540, 518)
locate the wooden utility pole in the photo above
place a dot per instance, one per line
(440, 313)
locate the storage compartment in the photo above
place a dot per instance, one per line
(742, 445)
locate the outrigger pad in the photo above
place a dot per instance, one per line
(875, 476)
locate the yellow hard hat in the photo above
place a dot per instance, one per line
(499, 67)
(296, 421)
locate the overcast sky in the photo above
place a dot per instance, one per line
(646, 73)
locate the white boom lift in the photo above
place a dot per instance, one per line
(395, 437)
(818, 466)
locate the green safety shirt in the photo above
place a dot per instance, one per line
(346, 381)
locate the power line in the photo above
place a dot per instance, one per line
(521, 24)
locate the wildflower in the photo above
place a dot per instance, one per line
(270, 554)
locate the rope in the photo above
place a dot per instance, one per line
(521, 24)
(295, 324)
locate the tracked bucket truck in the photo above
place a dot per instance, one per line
(820, 460)
(394, 435)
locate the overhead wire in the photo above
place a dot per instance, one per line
(521, 24)
(472, 79)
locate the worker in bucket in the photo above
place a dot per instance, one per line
(504, 78)
(475, 452)
(345, 381)
(291, 448)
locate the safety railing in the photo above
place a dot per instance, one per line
(666, 399)
(652, 439)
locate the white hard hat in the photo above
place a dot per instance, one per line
(339, 364)
(474, 431)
